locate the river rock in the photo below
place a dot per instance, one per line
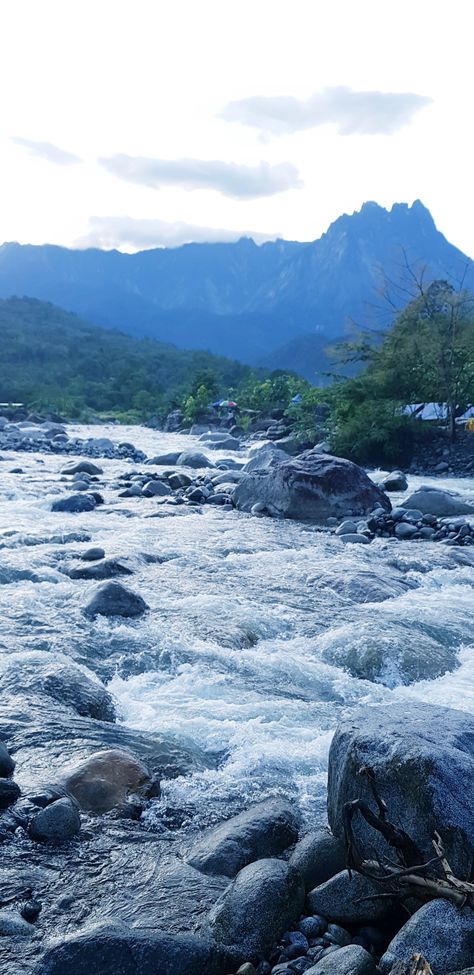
(120, 950)
(264, 457)
(431, 501)
(93, 554)
(263, 901)
(313, 487)
(264, 830)
(155, 489)
(163, 460)
(104, 780)
(396, 481)
(318, 857)
(9, 793)
(355, 538)
(346, 900)
(351, 960)
(7, 764)
(58, 822)
(404, 530)
(105, 569)
(75, 503)
(113, 599)
(193, 458)
(14, 926)
(82, 467)
(441, 932)
(60, 680)
(225, 443)
(422, 758)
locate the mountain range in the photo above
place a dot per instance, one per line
(276, 304)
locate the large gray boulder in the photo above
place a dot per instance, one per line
(422, 758)
(58, 679)
(194, 459)
(264, 830)
(265, 457)
(313, 487)
(441, 932)
(113, 599)
(263, 901)
(120, 950)
(430, 501)
(98, 570)
(349, 900)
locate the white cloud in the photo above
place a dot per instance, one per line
(230, 179)
(140, 234)
(361, 112)
(48, 151)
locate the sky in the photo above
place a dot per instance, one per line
(141, 123)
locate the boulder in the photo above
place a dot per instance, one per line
(264, 830)
(396, 481)
(193, 458)
(263, 901)
(120, 950)
(431, 501)
(93, 554)
(351, 960)
(318, 857)
(82, 467)
(60, 680)
(347, 900)
(163, 460)
(7, 764)
(14, 926)
(225, 443)
(57, 823)
(422, 759)
(265, 456)
(441, 932)
(354, 538)
(106, 778)
(313, 487)
(113, 599)
(403, 530)
(75, 503)
(105, 569)
(155, 489)
(9, 793)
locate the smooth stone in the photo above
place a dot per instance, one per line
(163, 460)
(347, 527)
(355, 539)
(7, 763)
(403, 530)
(396, 481)
(59, 679)
(342, 900)
(441, 932)
(14, 926)
(156, 489)
(93, 554)
(352, 960)
(57, 823)
(264, 830)
(104, 780)
(75, 503)
(441, 503)
(195, 459)
(318, 857)
(82, 467)
(104, 569)
(9, 793)
(113, 599)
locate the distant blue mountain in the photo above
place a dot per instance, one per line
(240, 299)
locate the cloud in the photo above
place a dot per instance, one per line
(48, 151)
(231, 179)
(140, 234)
(353, 112)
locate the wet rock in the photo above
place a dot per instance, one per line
(155, 489)
(318, 857)
(441, 503)
(82, 467)
(352, 960)
(396, 481)
(105, 779)
(12, 925)
(7, 763)
(105, 569)
(9, 793)
(441, 932)
(347, 527)
(355, 539)
(347, 901)
(61, 680)
(313, 487)
(195, 459)
(225, 443)
(93, 554)
(422, 757)
(58, 822)
(120, 950)
(264, 830)
(264, 457)
(75, 503)
(404, 530)
(113, 599)
(163, 460)
(264, 900)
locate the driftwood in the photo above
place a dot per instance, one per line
(409, 875)
(416, 966)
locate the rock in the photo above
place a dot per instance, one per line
(7, 764)
(352, 960)
(58, 822)
(105, 569)
(155, 489)
(75, 503)
(163, 460)
(264, 830)
(14, 926)
(396, 481)
(341, 899)
(60, 680)
(93, 554)
(265, 456)
(106, 778)
(264, 900)
(441, 503)
(82, 467)
(441, 932)
(113, 599)
(422, 757)
(318, 857)
(225, 443)
(177, 481)
(9, 793)
(120, 950)
(193, 458)
(355, 539)
(312, 486)
(346, 527)
(404, 530)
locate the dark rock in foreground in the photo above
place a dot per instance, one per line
(58, 822)
(441, 932)
(7, 764)
(264, 830)
(312, 486)
(75, 503)
(103, 569)
(105, 779)
(422, 759)
(113, 599)
(9, 793)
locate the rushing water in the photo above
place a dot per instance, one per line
(260, 633)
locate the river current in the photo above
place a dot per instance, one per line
(260, 633)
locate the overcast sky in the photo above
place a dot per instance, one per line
(136, 123)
